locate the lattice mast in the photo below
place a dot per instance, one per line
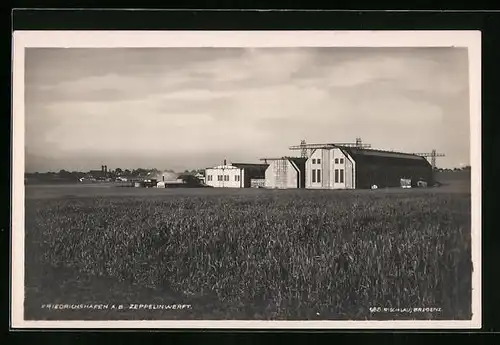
(432, 155)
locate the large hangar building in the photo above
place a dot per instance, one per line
(339, 167)
(285, 172)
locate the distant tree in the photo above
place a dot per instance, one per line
(190, 180)
(64, 173)
(118, 171)
(466, 168)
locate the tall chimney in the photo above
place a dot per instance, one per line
(163, 178)
(224, 162)
(106, 169)
(102, 168)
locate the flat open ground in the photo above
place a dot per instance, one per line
(247, 254)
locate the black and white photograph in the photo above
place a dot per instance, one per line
(246, 179)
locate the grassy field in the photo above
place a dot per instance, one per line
(248, 254)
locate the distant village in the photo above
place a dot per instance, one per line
(142, 176)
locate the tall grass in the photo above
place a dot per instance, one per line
(284, 255)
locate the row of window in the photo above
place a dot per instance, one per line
(318, 161)
(316, 175)
(339, 175)
(223, 178)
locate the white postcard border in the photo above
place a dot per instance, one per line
(137, 39)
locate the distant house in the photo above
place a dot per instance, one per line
(171, 183)
(98, 174)
(200, 177)
(148, 183)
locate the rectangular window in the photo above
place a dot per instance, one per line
(319, 175)
(341, 175)
(318, 161)
(219, 178)
(341, 160)
(237, 178)
(209, 178)
(314, 161)
(336, 161)
(336, 175)
(226, 177)
(314, 176)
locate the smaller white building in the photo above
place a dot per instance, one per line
(224, 176)
(234, 175)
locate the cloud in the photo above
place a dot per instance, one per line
(187, 106)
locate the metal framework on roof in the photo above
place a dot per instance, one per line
(265, 159)
(306, 148)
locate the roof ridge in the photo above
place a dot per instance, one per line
(384, 151)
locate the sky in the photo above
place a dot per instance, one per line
(191, 108)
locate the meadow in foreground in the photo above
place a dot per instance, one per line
(262, 255)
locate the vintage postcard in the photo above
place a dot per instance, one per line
(293, 179)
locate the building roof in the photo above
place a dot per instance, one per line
(297, 160)
(370, 154)
(228, 166)
(96, 172)
(254, 170)
(250, 165)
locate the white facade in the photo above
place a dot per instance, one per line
(282, 174)
(225, 176)
(330, 169)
